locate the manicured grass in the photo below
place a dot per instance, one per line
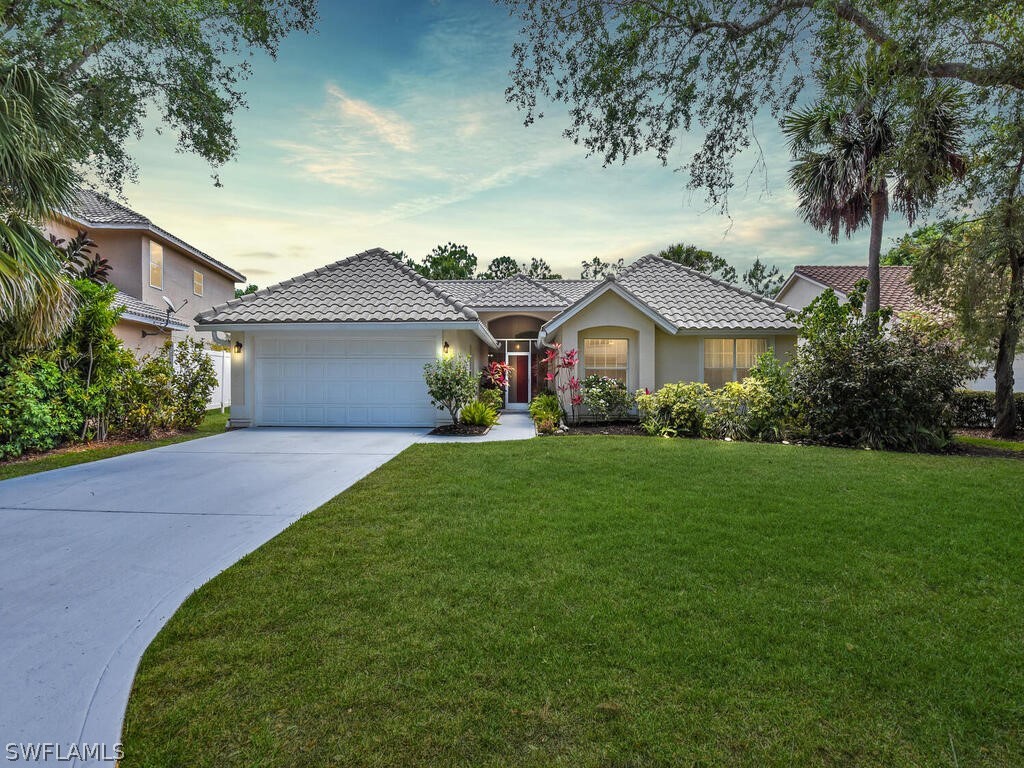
(990, 442)
(612, 601)
(214, 422)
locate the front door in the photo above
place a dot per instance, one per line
(519, 380)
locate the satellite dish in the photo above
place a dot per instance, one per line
(168, 302)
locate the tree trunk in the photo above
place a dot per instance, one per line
(1006, 409)
(879, 210)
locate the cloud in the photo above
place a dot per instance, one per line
(388, 127)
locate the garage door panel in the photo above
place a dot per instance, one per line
(343, 382)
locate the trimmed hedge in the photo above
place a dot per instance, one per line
(977, 410)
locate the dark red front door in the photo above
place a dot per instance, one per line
(519, 387)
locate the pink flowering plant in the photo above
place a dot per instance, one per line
(497, 375)
(560, 374)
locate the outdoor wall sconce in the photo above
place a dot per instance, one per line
(447, 349)
(238, 347)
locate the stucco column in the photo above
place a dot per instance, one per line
(646, 357)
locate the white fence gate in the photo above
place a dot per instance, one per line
(221, 395)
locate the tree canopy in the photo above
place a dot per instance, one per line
(185, 58)
(449, 261)
(701, 260)
(635, 76)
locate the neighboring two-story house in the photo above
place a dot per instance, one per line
(147, 264)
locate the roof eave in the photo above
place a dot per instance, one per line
(625, 294)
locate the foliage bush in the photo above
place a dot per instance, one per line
(451, 384)
(977, 410)
(892, 390)
(545, 409)
(743, 410)
(35, 414)
(193, 380)
(675, 409)
(478, 414)
(607, 399)
(492, 397)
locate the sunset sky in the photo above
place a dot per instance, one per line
(389, 127)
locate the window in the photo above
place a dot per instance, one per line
(156, 265)
(730, 359)
(605, 357)
(197, 282)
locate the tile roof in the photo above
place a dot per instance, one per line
(141, 312)
(519, 290)
(92, 209)
(895, 288)
(692, 300)
(372, 286)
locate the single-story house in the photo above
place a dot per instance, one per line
(345, 345)
(896, 292)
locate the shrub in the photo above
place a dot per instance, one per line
(675, 409)
(977, 410)
(492, 397)
(891, 390)
(478, 414)
(451, 384)
(607, 399)
(193, 380)
(743, 410)
(546, 426)
(546, 408)
(35, 414)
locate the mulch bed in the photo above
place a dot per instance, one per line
(112, 442)
(608, 428)
(463, 430)
(1019, 438)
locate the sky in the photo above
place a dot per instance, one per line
(389, 127)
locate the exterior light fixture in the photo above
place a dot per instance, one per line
(238, 347)
(447, 349)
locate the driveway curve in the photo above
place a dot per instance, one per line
(95, 558)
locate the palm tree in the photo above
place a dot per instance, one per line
(861, 149)
(39, 142)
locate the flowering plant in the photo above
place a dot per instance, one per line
(496, 375)
(608, 399)
(561, 374)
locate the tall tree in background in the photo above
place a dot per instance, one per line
(762, 279)
(501, 268)
(539, 269)
(860, 150)
(185, 58)
(701, 260)
(38, 135)
(446, 262)
(595, 269)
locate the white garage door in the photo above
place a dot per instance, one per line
(343, 382)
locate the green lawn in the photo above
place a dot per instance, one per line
(214, 422)
(990, 442)
(612, 601)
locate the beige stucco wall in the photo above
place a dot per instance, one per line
(131, 334)
(611, 317)
(510, 326)
(177, 285)
(677, 358)
(122, 249)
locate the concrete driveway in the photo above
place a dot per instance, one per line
(95, 558)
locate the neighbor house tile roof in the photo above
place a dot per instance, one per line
(895, 288)
(372, 286)
(691, 300)
(92, 209)
(141, 312)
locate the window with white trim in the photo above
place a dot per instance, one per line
(156, 265)
(197, 282)
(730, 359)
(606, 357)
